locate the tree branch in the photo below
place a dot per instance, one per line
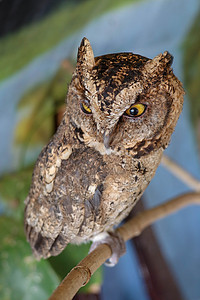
(80, 275)
(180, 173)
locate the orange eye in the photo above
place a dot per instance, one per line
(135, 110)
(85, 108)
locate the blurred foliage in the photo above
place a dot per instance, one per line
(191, 63)
(39, 37)
(36, 111)
(14, 189)
(21, 276)
(39, 110)
(15, 14)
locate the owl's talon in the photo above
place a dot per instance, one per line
(115, 242)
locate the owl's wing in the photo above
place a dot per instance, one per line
(64, 201)
(43, 221)
(43, 218)
(51, 226)
(43, 229)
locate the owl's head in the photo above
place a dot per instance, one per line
(124, 101)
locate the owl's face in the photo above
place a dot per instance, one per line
(120, 100)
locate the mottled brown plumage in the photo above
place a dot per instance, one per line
(103, 155)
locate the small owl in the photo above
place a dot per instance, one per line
(121, 110)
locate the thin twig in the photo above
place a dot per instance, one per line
(180, 173)
(81, 274)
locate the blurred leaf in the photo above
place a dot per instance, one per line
(14, 189)
(69, 258)
(37, 111)
(60, 82)
(21, 276)
(191, 64)
(39, 37)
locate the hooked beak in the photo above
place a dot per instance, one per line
(106, 139)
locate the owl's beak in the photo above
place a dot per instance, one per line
(106, 139)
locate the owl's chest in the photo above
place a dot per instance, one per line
(78, 175)
(93, 192)
(87, 170)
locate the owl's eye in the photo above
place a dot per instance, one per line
(85, 108)
(135, 110)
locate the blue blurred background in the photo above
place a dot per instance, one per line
(38, 47)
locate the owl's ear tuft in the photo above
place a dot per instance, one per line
(160, 63)
(167, 58)
(85, 57)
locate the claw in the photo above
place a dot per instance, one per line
(114, 241)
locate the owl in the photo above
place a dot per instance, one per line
(121, 110)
